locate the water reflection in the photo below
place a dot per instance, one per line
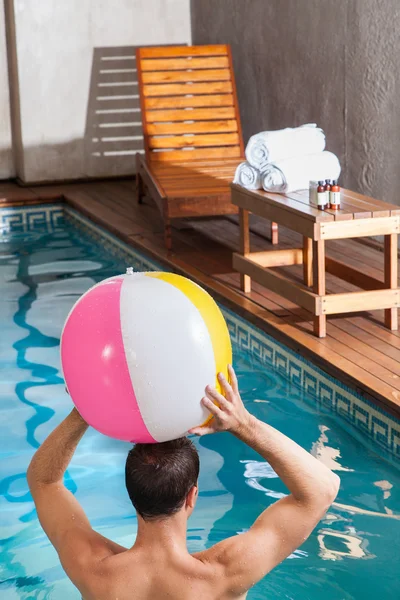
(386, 487)
(256, 470)
(351, 544)
(326, 454)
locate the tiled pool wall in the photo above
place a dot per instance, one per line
(368, 419)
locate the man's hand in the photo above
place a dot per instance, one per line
(228, 411)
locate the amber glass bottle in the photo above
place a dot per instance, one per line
(322, 196)
(334, 196)
(328, 187)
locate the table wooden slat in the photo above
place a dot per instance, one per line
(342, 214)
(350, 208)
(372, 204)
(291, 204)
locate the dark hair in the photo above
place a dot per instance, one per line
(159, 477)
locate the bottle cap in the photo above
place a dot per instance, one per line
(320, 183)
(334, 182)
(328, 181)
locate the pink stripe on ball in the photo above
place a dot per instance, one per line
(95, 366)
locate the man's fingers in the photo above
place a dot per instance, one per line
(209, 405)
(203, 430)
(217, 397)
(225, 384)
(233, 379)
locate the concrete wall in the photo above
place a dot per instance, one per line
(60, 47)
(6, 157)
(335, 63)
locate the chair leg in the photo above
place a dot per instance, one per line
(139, 188)
(274, 233)
(139, 180)
(168, 234)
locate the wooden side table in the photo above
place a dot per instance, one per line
(359, 216)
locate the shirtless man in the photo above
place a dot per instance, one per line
(161, 480)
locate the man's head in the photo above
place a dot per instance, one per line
(161, 479)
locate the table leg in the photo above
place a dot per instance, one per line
(307, 261)
(391, 278)
(245, 281)
(274, 233)
(319, 283)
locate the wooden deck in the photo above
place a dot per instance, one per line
(358, 349)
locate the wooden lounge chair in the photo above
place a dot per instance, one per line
(192, 131)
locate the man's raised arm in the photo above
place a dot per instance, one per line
(285, 525)
(59, 512)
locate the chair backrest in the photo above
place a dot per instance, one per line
(189, 103)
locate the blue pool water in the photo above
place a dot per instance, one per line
(353, 552)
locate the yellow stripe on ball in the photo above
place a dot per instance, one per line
(212, 316)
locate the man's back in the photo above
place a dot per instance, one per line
(138, 574)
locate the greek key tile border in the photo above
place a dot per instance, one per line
(367, 419)
(329, 393)
(27, 219)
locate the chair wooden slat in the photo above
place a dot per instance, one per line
(169, 51)
(196, 177)
(179, 64)
(184, 89)
(195, 141)
(197, 182)
(186, 76)
(198, 164)
(195, 114)
(193, 127)
(205, 101)
(196, 168)
(185, 184)
(178, 155)
(192, 193)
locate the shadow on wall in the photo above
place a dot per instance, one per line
(113, 132)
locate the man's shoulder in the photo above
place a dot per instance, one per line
(221, 554)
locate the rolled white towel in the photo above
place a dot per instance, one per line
(247, 176)
(270, 146)
(293, 174)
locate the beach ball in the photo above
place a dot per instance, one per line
(138, 350)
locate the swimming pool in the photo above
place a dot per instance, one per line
(47, 259)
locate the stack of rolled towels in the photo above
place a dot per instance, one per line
(287, 160)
